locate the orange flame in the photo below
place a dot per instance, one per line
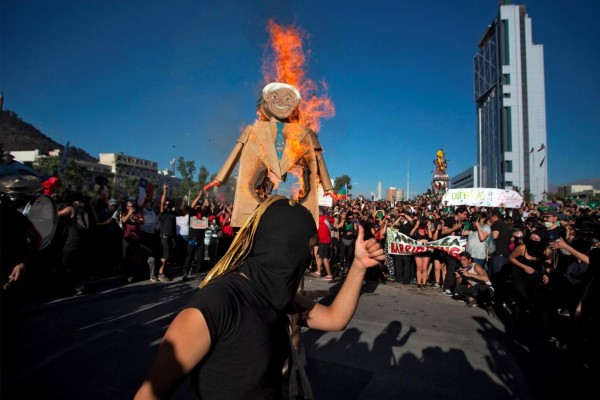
(287, 64)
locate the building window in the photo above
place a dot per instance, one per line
(508, 183)
(508, 129)
(506, 79)
(506, 58)
(509, 166)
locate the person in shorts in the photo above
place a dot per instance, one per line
(323, 250)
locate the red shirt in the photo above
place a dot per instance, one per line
(50, 185)
(324, 232)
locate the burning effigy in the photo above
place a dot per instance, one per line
(272, 150)
(282, 144)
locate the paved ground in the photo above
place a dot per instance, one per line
(403, 342)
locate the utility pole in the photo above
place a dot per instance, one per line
(408, 180)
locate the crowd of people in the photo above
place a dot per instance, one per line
(158, 240)
(536, 262)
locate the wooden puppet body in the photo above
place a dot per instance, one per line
(269, 151)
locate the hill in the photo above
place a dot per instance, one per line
(18, 135)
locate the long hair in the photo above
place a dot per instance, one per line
(242, 243)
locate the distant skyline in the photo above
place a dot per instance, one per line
(160, 80)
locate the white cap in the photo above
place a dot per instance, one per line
(279, 85)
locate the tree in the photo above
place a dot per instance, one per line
(202, 175)
(186, 169)
(72, 178)
(47, 165)
(132, 186)
(528, 196)
(340, 182)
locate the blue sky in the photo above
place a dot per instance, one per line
(159, 80)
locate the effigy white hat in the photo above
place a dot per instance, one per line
(279, 85)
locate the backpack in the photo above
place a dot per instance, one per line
(82, 220)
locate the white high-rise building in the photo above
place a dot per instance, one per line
(511, 105)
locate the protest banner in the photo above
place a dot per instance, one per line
(482, 197)
(198, 223)
(399, 243)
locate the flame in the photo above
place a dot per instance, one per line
(299, 190)
(287, 64)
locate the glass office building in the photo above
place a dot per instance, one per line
(511, 105)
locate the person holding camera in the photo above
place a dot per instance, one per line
(473, 283)
(479, 231)
(455, 225)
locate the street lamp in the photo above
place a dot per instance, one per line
(534, 170)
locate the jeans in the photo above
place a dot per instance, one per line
(195, 249)
(481, 261)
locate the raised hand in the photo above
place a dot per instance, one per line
(211, 184)
(367, 253)
(332, 194)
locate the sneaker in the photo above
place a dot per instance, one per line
(564, 313)
(188, 277)
(327, 278)
(448, 292)
(163, 278)
(436, 285)
(315, 274)
(153, 279)
(470, 302)
(422, 286)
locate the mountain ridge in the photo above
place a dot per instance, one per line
(19, 135)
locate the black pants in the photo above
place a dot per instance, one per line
(73, 261)
(451, 267)
(529, 290)
(347, 253)
(404, 267)
(195, 250)
(500, 276)
(481, 292)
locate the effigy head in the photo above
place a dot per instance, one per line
(279, 100)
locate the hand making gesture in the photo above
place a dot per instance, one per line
(367, 253)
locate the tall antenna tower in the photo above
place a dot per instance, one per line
(408, 180)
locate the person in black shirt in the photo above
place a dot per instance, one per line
(168, 231)
(499, 266)
(19, 242)
(233, 335)
(195, 245)
(404, 264)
